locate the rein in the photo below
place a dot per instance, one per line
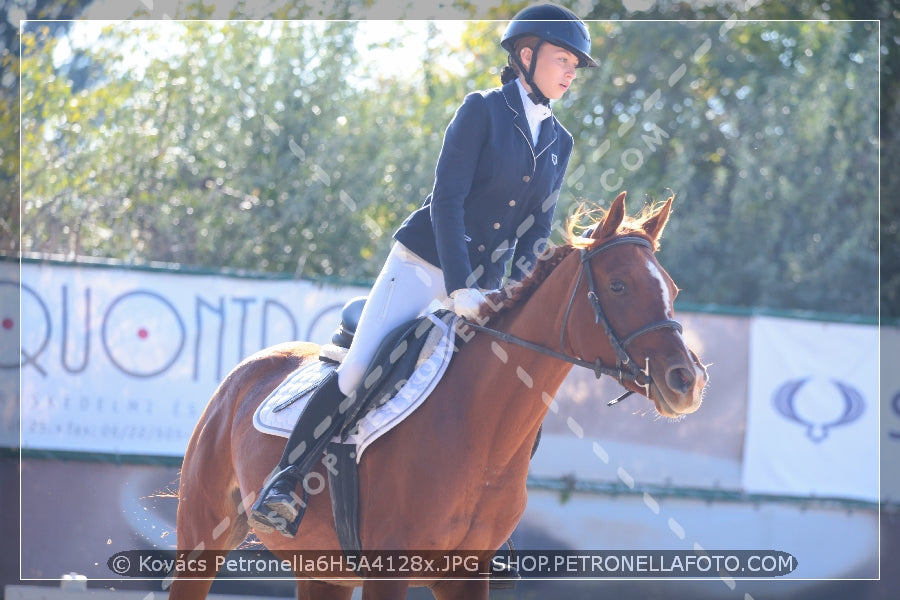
(625, 369)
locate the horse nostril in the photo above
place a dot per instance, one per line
(680, 379)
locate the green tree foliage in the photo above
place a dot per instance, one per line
(57, 14)
(290, 147)
(256, 145)
(766, 133)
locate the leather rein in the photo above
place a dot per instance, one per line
(625, 368)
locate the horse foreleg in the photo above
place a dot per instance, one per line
(376, 589)
(211, 519)
(189, 589)
(461, 589)
(307, 589)
(210, 529)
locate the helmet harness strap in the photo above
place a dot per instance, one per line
(536, 95)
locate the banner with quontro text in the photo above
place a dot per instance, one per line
(812, 413)
(124, 361)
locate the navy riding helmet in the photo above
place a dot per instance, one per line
(554, 24)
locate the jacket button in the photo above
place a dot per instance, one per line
(512, 202)
(526, 178)
(481, 247)
(496, 225)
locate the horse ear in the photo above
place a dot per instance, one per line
(614, 218)
(654, 226)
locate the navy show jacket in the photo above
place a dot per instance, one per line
(494, 192)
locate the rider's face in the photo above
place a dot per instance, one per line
(555, 69)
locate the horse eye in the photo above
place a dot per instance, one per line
(617, 286)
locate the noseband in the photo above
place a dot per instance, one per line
(625, 368)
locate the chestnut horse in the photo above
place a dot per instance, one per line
(452, 476)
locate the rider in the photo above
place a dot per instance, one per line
(497, 180)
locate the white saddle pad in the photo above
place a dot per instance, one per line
(279, 411)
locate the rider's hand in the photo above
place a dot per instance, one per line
(467, 302)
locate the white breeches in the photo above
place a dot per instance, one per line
(404, 289)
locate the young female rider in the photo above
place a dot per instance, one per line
(497, 180)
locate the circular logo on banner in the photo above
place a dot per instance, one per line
(143, 334)
(22, 345)
(895, 404)
(819, 405)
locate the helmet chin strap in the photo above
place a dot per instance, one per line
(536, 95)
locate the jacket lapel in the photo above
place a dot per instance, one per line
(547, 135)
(514, 103)
(548, 132)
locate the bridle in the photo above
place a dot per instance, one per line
(625, 368)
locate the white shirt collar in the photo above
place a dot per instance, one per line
(535, 113)
(539, 111)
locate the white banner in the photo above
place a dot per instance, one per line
(124, 361)
(812, 415)
(9, 354)
(890, 409)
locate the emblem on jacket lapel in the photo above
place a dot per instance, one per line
(553, 158)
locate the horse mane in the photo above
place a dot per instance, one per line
(515, 293)
(576, 232)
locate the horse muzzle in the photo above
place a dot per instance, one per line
(678, 386)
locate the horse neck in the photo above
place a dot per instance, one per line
(539, 320)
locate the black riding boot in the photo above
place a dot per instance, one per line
(279, 507)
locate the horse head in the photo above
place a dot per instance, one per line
(630, 298)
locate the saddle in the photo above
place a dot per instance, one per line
(397, 357)
(408, 364)
(343, 336)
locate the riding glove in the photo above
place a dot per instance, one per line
(467, 302)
